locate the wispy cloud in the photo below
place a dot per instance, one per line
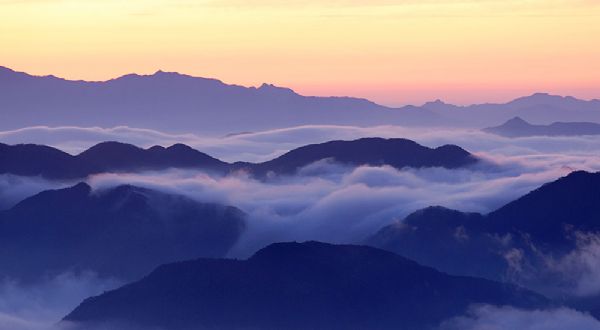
(507, 318)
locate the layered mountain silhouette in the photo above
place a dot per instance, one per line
(397, 153)
(308, 285)
(517, 242)
(122, 232)
(180, 103)
(517, 127)
(48, 162)
(37, 160)
(541, 108)
(176, 102)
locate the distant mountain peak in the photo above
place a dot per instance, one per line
(543, 99)
(162, 73)
(516, 121)
(270, 88)
(112, 146)
(180, 147)
(436, 102)
(518, 127)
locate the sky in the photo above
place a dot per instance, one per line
(393, 52)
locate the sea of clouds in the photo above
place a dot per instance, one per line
(325, 201)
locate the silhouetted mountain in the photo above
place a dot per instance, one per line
(122, 232)
(551, 214)
(539, 107)
(114, 156)
(37, 160)
(513, 243)
(298, 286)
(449, 240)
(34, 160)
(518, 127)
(175, 102)
(397, 153)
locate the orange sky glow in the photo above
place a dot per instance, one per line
(393, 52)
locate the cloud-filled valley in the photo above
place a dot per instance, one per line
(336, 203)
(292, 165)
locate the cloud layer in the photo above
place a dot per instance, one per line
(326, 201)
(506, 318)
(260, 146)
(39, 306)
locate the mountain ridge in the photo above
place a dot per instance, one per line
(515, 242)
(34, 160)
(121, 232)
(518, 127)
(297, 286)
(177, 102)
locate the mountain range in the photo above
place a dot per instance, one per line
(176, 102)
(122, 232)
(48, 162)
(308, 285)
(522, 242)
(517, 127)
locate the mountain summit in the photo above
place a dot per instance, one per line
(517, 127)
(308, 285)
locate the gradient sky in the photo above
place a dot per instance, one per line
(393, 52)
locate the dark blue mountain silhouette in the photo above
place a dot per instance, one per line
(298, 286)
(518, 127)
(397, 153)
(122, 232)
(39, 160)
(35, 160)
(516, 237)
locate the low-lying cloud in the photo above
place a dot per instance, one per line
(488, 317)
(345, 205)
(326, 201)
(265, 145)
(39, 306)
(14, 188)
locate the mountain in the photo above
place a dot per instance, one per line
(123, 232)
(51, 163)
(518, 127)
(174, 102)
(308, 285)
(398, 153)
(519, 242)
(114, 156)
(171, 101)
(539, 107)
(36, 160)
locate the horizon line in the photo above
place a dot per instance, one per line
(265, 84)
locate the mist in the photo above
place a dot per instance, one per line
(345, 205)
(15, 188)
(487, 317)
(324, 201)
(39, 306)
(265, 145)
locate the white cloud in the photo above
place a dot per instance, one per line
(506, 318)
(39, 306)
